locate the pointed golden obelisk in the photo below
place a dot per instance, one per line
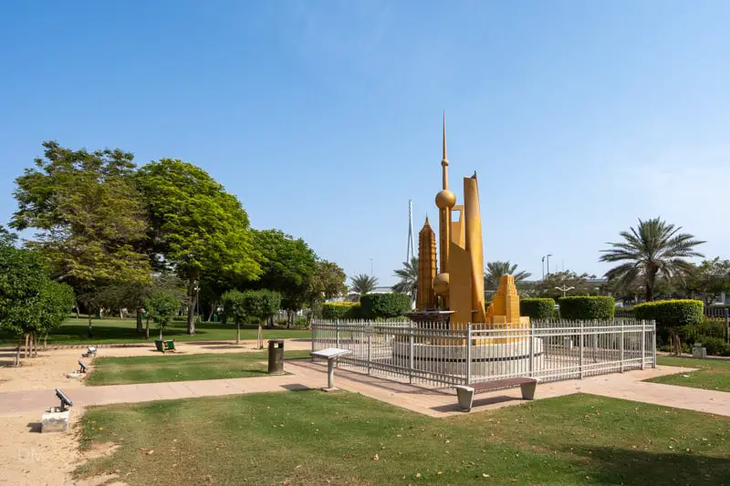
(425, 296)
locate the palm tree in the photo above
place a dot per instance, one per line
(654, 249)
(408, 276)
(496, 269)
(363, 284)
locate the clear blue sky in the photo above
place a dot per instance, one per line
(324, 117)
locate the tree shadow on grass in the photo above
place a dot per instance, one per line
(633, 467)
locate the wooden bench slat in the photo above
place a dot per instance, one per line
(496, 384)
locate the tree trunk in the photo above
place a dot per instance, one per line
(91, 329)
(25, 350)
(191, 305)
(140, 327)
(17, 355)
(160, 334)
(45, 341)
(260, 337)
(213, 307)
(238, 333)
(147, 329)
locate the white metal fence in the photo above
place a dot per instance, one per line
(437, 354)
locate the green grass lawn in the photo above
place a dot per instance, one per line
(186, 367)
(107, 331)
(711, 374)
(315, 438)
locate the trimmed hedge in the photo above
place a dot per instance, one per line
(537, 308)
(671, 313)
(340, 310)
(587, 307)
(384, 305)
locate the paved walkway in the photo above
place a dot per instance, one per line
(14, 402)
(628, 386)
(435, 403)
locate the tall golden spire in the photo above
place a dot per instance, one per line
(444, 158)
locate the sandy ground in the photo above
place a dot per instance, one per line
(33, 459)
(29, 458)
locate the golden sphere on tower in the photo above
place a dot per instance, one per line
(445, 199)
(441, 284)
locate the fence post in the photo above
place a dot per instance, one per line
(410, 355)
(314, 339)
(468, 354)
(337, 342)
(370, 344)
(580, 358)
(643, 344)
(653, 344)
(530, 350)
(622, 346)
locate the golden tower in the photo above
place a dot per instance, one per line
(460, 282)
(425, 296)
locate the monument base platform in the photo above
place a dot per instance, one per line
(487, 359)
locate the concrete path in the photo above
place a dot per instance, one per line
(627, 386)
(14, 402)
(432, 402)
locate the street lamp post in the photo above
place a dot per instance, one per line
(548, 262)
(564, 289)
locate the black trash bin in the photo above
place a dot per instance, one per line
(276, 356)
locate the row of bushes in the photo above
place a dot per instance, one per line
(371, 306)
(573, 308)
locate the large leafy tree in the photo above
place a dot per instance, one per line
(288, 266)
(407, 279)
(329, 281)
(495, 270)
(710, 278)
(195, 224)
(653, 249)
(88, 214)
(548, 287)
(30, 303)
(363, 283)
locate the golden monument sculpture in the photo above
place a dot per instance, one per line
(460, 282)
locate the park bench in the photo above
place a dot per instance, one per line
(82, 367)
(465, 393)
(165, 345)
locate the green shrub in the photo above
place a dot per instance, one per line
(671, 313)
(384, 305)
(537, 308)
(709, 328)
(300, 321)
(340, 310)
(587, 307)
